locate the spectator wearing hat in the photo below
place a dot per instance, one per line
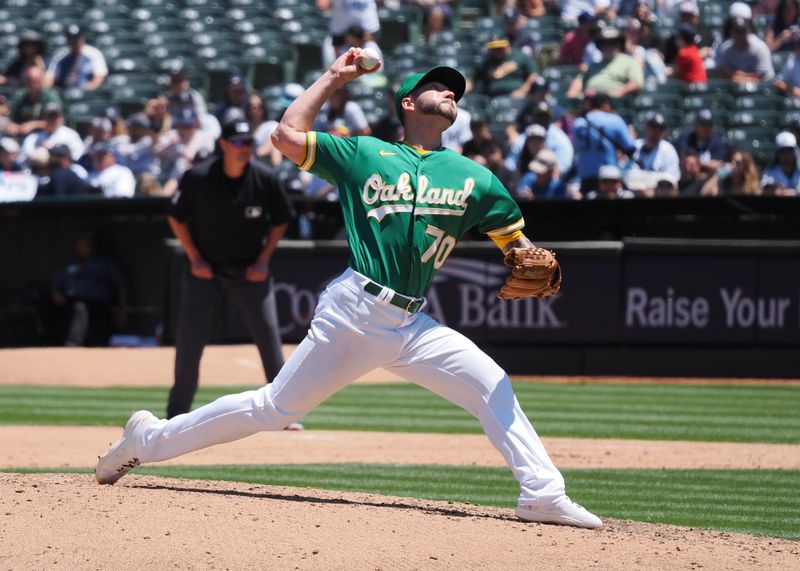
(519, 36)
(617, 75)
(100, 131)
(533, 141)
(666, 186)
(181, 147)
(53, 133)
(236, 92)
(9, 155)
(783, 175)
(576, 40)
(77, 66)
(503, 71)
(704, 139)
(229, 213)
(689, 15)
(654, 154)
(597, 137)
(782, 32)
(138, 154)
(638, 45)
(27, 106)
(555, 138)
(744, 58)
(788, 80)
(64, 180)
(540, 93)
(688, 64)
(609, 185)
(30, 53)
(542, 179)
(113, 180)
(181, 93)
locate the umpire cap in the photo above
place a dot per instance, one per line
(443, 74)
(237, 130)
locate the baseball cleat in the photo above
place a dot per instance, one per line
(562, 512)
(122, 457)
(295, 426)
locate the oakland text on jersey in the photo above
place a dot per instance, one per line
(376, 189)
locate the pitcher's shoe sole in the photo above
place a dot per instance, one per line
(121, 457)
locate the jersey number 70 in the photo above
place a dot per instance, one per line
(442, 245)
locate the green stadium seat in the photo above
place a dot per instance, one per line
(469, 11)
(656, 101)
(757, 102)
(763, 87)
(399, 26)
(711, 100)
(270, 71)
(713, 85)
(756, 118)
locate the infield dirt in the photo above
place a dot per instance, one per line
(61, 521)
(67, 521)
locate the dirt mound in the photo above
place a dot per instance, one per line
(156, 523)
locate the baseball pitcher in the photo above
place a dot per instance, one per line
(405, 206)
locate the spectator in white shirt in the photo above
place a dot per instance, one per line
(179, 148)
(653, 154)
(77, 66)
(113, 180)
(788, 80)
(459, 133)
(54, 133)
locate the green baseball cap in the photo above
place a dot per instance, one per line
(450, 77)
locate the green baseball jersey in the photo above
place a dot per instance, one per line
(405, 209)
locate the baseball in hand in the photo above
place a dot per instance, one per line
(368, 59)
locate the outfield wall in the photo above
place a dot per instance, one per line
(655, 306)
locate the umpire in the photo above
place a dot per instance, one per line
(228, 213)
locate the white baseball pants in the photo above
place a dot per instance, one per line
(352, 333)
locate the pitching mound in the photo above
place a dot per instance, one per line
(156, 523)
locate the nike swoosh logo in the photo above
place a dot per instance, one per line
(386, 154)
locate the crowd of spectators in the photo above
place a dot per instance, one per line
(569, 142)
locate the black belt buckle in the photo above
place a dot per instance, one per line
(414, 305)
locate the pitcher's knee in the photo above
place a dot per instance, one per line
(267, 413)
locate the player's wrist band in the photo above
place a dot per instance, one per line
(410, 304)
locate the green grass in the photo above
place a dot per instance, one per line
(762, 502)
(722, 413)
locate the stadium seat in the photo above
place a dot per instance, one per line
(757, 102)
(399, 26)
(711, 100)
(656, 101)
(756, 118)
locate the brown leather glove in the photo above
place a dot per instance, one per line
(535, 273)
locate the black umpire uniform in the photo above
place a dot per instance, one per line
(226, 225)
